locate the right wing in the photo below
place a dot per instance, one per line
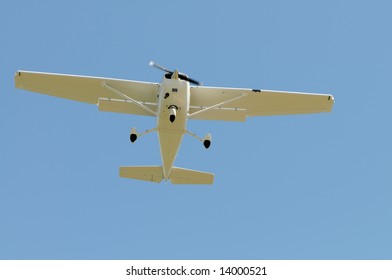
(252, 102)
(93, 90)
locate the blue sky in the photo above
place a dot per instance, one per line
(286, 187)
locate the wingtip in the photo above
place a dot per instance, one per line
(16, 78)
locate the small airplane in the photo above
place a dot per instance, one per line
(173, 102)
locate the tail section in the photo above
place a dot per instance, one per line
(146, 173)
(188, 176)
(177, 175)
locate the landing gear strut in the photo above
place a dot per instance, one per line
(173, 112)
(134, 135)
(206, 140)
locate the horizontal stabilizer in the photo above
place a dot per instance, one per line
(188, 176)
(146, 173)
(177, 175)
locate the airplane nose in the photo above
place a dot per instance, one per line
(175, 75)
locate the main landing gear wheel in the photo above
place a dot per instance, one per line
(133, 135)
(207, 143)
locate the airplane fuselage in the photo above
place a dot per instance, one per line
(172, 116)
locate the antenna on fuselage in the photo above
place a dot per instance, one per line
(182, 76)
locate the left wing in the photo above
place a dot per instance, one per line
(235, 104)
(112, 95)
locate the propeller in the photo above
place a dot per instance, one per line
(160, 67)
(181, 76)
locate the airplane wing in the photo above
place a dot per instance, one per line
(111, 95)
(235, 104)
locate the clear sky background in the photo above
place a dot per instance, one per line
(286, 187)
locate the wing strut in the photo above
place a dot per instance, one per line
(216, 105)
(123, 95)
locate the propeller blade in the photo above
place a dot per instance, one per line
(183, 77)
(195, 82)
(160, 67)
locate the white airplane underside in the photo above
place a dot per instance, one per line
(172, 102)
